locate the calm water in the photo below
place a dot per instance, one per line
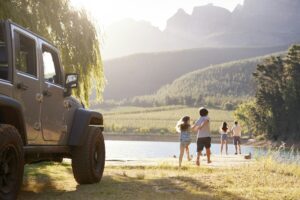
(132, 150)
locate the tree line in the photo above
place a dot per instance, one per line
(222, 86)
(275, 111)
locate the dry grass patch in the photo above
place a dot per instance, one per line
(264, 179)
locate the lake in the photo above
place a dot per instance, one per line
(136, 150)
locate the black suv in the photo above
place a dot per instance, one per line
(39, 120)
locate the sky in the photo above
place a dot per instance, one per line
(157, 12)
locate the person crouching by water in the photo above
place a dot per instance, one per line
(224, 135)
(202, 126)
(183, 127)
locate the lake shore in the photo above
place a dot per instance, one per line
(227, 178)
(157, 137)
(215, 139)
(218, 161)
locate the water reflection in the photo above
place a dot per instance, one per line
(131, 150)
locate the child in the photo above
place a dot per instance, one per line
(224, 132)
(183, 127)
(236, 133)
(202, 126)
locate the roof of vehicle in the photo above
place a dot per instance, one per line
(26, 29)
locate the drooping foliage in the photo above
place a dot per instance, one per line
(276, 110)
(71, 30)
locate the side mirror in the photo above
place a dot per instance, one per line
(71, 81)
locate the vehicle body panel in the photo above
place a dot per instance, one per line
(82, 119)
(49, 116)
(53, 110)
(11, 113)
(27, 88)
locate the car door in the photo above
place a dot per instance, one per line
(53, 110)
(26, 81)
(5, 65)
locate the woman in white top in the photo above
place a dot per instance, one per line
(224, 135)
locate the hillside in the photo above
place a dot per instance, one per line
(229, 79)
(255, 23)
(214, 85)
(143, 74)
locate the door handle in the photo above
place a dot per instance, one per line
(47, 93)
(22, 86)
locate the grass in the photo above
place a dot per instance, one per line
(156, 120)
(263, 179)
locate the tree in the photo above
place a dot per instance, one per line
(292, 89)
(269, 100)
(228, 106)
(199, 100)
(72, 31)
(247, 115)
(275, 111)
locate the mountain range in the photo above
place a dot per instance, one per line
(142, 74)
(256, 23)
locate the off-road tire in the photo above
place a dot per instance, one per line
(88, 160)
(11, 162)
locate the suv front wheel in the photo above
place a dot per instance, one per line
(88, 160)
(11, 162)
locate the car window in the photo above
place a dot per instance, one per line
(52, 71)
(3, 54)
(25, 54)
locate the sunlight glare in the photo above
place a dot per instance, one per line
(156, 12)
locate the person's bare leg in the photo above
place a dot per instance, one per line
(181, 154)
(226, 146)
(198, 158)
(221, 146)
(235, 148)
(239, 148)
(208, 155)
(187, 149)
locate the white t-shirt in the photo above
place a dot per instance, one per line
(205, 130)
(237, 130)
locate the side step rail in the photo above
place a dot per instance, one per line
(46, 149)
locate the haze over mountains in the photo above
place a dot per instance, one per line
(209, 36)
(255, 23)
(142, 74)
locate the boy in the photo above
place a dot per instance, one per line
(236, 133)
(202, 126)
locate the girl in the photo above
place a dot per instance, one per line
(183, 128)
(224, 132)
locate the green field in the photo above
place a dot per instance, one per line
(157, 120)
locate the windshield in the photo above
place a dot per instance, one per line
(3, 54)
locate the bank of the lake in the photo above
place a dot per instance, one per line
(157, 137)
(245, 180)
(215, 139)
(143, 150)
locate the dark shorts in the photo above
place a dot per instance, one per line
(236, 140)
(203, 142)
